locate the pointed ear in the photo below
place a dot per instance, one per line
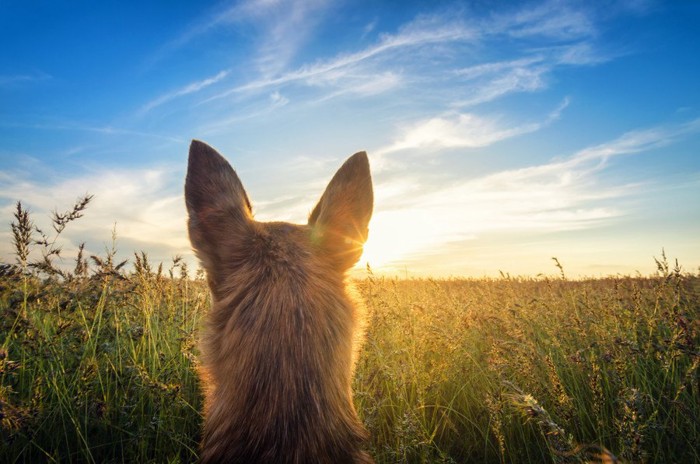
(340, 219)
(218, 207)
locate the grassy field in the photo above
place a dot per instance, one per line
(98, 364)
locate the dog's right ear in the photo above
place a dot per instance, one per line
(218, 207)
(340, 219)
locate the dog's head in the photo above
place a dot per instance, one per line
(228, 240)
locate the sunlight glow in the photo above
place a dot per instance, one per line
(396, 235)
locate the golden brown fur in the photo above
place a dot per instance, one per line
(278, 343)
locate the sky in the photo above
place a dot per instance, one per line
(500, 134)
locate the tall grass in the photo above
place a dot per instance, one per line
(98, 364)
(533, 370)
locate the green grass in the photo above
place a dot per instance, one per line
(99, 370)
(99, 365)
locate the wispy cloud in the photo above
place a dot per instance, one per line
(638, 141)
(222, 15)
(461, 130)
(429, 51)
(560, 191)
(282, 28)
(562, 195)
(419, 33)
(287, 25)
(553, 19)
(496, 67)
(272, 102)
(530, 73)
(515, 79)
(548, 20)
(365, 86)
(186, 90)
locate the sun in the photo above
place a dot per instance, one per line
(393, 238)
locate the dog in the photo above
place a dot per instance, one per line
(279, 343)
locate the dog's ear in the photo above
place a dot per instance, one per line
(340, 219)
(218, 207)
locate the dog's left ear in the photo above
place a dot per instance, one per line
(220, 215)
(340, 219)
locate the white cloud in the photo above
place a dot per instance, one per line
(186, 90)
(579, 54)
(562, 195)
(419, 33)
(517, 79)
(282, 27)
(496, 67)
(493, 80)
(149, 215)
(637, 141)
(461, 130)
(287, 25)
(431, 51)
(553, 19)
(365, 86)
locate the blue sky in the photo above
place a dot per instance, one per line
(500, 134)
